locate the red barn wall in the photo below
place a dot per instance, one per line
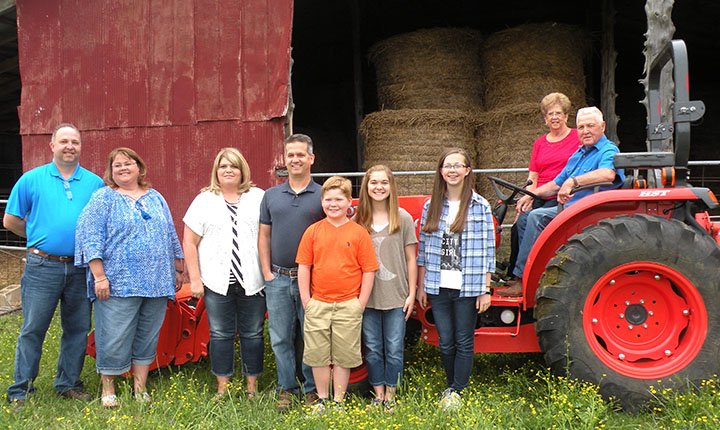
(176, 80)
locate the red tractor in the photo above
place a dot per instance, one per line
(621, 289)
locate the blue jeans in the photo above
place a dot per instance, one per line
(229, 314)
(285, 323)
(529, 231)
(383, 335)
(455, 318)
(520, 225)
(44, 284)
(127, 330)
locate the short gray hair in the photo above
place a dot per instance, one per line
(590, 110)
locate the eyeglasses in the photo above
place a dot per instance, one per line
(555, 114)
(68, 191)
(456, 166)
(121, 165)
(139, 207)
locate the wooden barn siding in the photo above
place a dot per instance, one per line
(173, 79)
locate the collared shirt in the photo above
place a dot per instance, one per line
(209, 218)
(138, 248)
(51, 204)
(477, 248)
(289, 214)
(587, 159)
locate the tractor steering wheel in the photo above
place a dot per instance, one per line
(500, 209)
(511, 198)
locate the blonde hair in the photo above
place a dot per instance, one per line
(363, 216)
(129, 153)
(340, 183)
(432, 220)
(236, 160)
(553, 99)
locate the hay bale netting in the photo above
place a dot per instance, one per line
(524, 63)
(413, 139)
(436, 68)
(504, 139)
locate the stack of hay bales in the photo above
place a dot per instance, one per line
(520, 66)
(428, 81)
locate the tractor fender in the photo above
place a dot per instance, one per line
(590, 210)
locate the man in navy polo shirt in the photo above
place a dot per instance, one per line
(44, 206)
(285, 212)
(591, 163)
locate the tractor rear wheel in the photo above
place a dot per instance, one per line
(631, 303)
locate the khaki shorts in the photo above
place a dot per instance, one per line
(332, 333)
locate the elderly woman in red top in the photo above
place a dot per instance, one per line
(549, 155)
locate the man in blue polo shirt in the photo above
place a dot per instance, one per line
(285, 212)
(44, 206)
(591, 163)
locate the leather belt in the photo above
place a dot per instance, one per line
(285, 271)
(60, 258)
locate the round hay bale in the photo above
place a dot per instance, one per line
(436, 68)
(11, 267)
(525, 63)
(505, 137)
(413, 139)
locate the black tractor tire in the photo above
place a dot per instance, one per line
(579, 311)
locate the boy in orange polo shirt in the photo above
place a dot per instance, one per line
(336, 265)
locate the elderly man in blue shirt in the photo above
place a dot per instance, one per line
(591, 163)
(44, 206)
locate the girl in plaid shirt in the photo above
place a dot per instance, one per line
(456, 256)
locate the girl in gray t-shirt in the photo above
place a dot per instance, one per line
(393, 294)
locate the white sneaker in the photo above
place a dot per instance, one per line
(451, 400)
(319, 407)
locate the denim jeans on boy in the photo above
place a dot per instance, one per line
(235, 312)
(455, 318)
(44, 284)
(285, 323)
(127, 330)
(384, 334)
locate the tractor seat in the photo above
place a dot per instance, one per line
(637, 161)
(643, 160)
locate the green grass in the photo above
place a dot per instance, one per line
(506, 391)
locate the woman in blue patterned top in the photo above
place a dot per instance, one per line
(126, 236)
(456, 256)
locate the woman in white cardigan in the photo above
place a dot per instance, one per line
(220, 245)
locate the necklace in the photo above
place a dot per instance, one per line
(232, 202)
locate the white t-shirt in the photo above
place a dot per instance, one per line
(379, 227)
(209, 218)
(450, 259)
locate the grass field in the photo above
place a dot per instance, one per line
(507, 391)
